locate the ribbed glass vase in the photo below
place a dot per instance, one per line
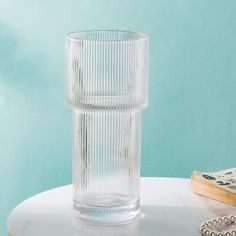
(107, 74)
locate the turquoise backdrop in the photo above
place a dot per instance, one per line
(191, 119)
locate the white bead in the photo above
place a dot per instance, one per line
(226, 219)
(233, 233)
(203, 225)
(207, 228)
(209, 223)
(220, 221)
(215, 222)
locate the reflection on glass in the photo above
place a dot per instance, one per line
(82, 228)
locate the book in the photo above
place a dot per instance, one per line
(220, 185)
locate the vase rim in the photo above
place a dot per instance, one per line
(106, 36)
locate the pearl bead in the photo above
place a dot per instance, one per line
(215, 222)
(226, 219)
(220, 221)
(207, 232)
(233, 233)
(209, 228)
(209, 223)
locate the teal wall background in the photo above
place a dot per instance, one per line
(191, 119)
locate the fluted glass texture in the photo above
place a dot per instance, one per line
(106, 87)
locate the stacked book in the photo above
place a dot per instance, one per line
(220, 185)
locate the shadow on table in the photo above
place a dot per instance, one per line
(163, 221)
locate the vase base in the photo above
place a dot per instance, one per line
(115, 213)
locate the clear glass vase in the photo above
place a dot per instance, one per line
(107, 75)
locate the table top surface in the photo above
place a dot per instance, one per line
(168, 208)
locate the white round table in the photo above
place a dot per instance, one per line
(168, 206)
